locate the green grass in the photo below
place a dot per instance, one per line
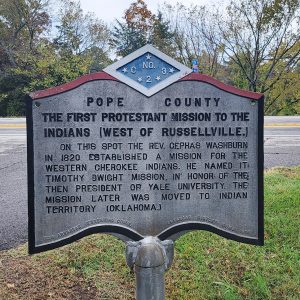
(206, 266)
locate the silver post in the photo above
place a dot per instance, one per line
(150, 258)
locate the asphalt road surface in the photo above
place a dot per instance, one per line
(282, 141)
(13, 187)
(282, 148)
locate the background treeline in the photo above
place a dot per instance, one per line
(252, 44)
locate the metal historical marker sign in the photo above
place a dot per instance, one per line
(145, 148)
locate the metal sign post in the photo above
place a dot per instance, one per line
(150, 258)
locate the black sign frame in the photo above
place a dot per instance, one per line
(34, 99)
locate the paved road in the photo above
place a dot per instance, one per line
(282, 120)
(282, 148)
(13, 188)
(282, 141)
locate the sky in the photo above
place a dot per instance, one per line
(109, 10)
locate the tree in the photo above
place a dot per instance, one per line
(126, 39)
(261, 37)
(79, 32)
(82, 38)
(253, 45)
(162, 36)
(141, 27)
(190, 25)
(134, 31)
(22, 24)
(284, 96)
(31, 61)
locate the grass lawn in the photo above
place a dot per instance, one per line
(205, 266)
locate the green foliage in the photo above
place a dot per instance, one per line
(162, 36)
(283, 98)
(127, 39)
(133, 32)
(31, 62)
(46, 70)
(262, 41)
(21, 25)
(12, 95)
(236, 77)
